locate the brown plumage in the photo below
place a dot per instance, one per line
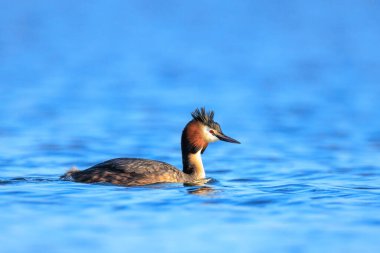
(129, 171)
(132, 171)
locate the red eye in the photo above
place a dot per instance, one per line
(211, 131)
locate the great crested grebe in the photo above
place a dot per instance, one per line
(196, 135)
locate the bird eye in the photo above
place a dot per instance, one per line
(212, 132)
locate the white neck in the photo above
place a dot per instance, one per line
(195, 165)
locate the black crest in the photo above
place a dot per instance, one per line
(204, 117)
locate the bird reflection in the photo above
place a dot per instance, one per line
(202, 191)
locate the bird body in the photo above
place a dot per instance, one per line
(129, 172)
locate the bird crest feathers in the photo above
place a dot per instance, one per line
(207, 118)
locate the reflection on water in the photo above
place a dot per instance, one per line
(295, 81)
(202, 191)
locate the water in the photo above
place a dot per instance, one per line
(296, 82)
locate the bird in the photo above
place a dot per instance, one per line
(197, 134)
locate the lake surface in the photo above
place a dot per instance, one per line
(297, 83)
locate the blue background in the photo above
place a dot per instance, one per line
(297, 82)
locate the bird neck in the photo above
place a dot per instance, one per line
(193, 145)
(193, 166)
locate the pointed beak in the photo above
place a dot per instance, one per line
(224, 137)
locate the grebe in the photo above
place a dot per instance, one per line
(196, 135)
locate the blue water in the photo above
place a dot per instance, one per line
(298, 83)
